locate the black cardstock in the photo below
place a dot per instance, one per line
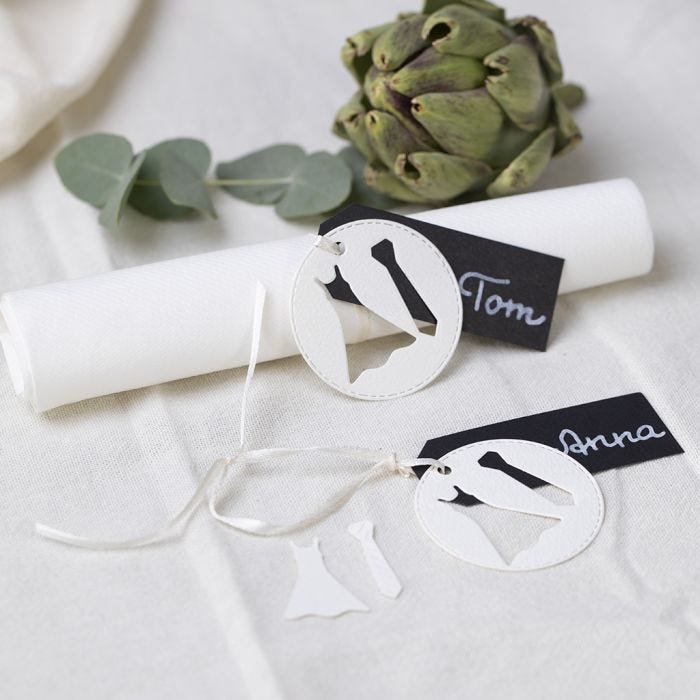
(600, 435)
(532, 279)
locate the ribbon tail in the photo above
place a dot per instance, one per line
(258, 309)
(216, 471)
(166, 532)
(211, 485)
(253, 526)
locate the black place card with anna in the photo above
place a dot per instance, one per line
(600, 435)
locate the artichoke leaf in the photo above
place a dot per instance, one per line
(439, 177)
(356, 53)
(388, 137)
(568, 133)
(511, 142)
(361, 192)
(525, 168)
(350, 124)
(383, 98)
(457, 29)
(354, 106)
(466, 123)
(362, 42)
(570, 94)
(543, 38)
(483, 6)
(518, 85)
(381, 180)
(399, 42)
(432, 71)
(372, 77)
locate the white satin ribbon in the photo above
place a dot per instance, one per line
(210, 488)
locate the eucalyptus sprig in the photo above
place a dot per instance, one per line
(171, 179)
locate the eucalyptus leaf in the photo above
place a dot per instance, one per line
(150, 199)
(114, 206)
(270, 169)
(184, 185)
(169, 180)
(318, 184)
(93, 166)
(361, 192)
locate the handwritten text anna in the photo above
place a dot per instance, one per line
(571, 443)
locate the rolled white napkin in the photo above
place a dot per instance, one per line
(131, 328)
(601, 229)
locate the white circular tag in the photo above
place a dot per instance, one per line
(493, 472)
(418, 263)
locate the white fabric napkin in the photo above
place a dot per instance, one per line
(130, 328)
(52, 53)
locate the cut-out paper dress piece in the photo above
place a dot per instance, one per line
(316, 591)
(382, 573)
(468, 480)
(416, 268)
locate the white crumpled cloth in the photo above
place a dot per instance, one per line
(202, 617)
(51, 54)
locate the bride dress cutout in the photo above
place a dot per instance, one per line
(316, 591)
(372, 354)
(371, 283)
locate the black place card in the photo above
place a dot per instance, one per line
(508, 292)
(600, 435)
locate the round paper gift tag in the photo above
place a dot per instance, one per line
(509, 475)
(383, 263)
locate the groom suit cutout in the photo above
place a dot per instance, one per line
(381, 287)
(501, 485)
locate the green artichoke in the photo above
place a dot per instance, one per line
(457, 102)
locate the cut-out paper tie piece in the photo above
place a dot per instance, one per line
(436, 486)
(382, 573)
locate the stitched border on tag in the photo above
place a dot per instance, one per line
(458, 299)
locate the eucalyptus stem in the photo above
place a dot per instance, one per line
(214, 182)
(261, 181)
(174, 178)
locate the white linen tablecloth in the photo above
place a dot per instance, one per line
(202, 617)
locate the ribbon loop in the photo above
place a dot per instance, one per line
(210, 487)
(329, 246)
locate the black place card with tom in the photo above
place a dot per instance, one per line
(508, 292)
(599, 435)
